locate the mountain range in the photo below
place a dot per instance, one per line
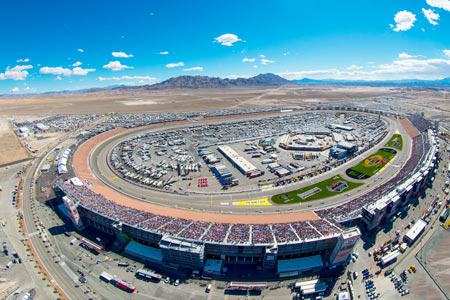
(258, 81)
(206, 82)
(402, 82)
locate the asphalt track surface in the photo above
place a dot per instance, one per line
(90, 162)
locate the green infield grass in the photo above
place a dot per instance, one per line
(372, 165)
(396, 142)
(327, 188)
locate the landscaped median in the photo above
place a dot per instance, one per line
(324, 189)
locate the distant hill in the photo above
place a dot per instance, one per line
(206, 82)
(403, 82)
(258, 81)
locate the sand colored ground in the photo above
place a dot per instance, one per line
(7, 287)
(46, 139)
(130, 101)
(412, 131)
(436, 257)
(80, 164)
(11, 148)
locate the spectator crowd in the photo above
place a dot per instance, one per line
(198, 230)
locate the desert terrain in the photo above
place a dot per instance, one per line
(110, 101)
(433, 101)
(12, 148)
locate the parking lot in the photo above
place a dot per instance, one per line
(186, 159)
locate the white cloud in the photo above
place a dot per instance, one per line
(122, 54)
(55, 71)
(27, 88)
(266, 61)
(116, 66)
(80, 50)
(16, 73)
(446, 52)
(405, 55)
(174, 65)
(15, 90)
(227, 39)
(77, 64)
(23, 60)
(245, 59)
(404, 20)
(193, 69)
(164, 52)
(444, 4)
(140, 78)
(58, 78)
(81, 72)
(65, 71)
(262, 56)
(398, 69)
(354, 67)
(431, 16)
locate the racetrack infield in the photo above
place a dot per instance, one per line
(327, 188)
(81, 166)
(372, 165)
(395, 142)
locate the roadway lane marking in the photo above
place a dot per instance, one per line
(69, 271)
(34, 233)
(115, 177)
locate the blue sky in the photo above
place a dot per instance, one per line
(58, 45)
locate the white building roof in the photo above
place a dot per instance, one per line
(417, 229)
(244, 164)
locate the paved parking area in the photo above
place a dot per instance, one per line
(26, 274)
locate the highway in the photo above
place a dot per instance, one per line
(53, 267)
(102, 172)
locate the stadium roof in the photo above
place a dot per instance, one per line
(300, 264)
(180, 245)
(146, 252)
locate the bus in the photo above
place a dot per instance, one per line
(106, 277)
(235, 285)
(123, 285)
(89, 245)
(147, 274)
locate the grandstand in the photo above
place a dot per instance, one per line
(354, 208)
(184, 242)
(191, 243)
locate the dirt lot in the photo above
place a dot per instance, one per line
(180, 100)
(46, 139)
(436, 256)
(11, 150)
